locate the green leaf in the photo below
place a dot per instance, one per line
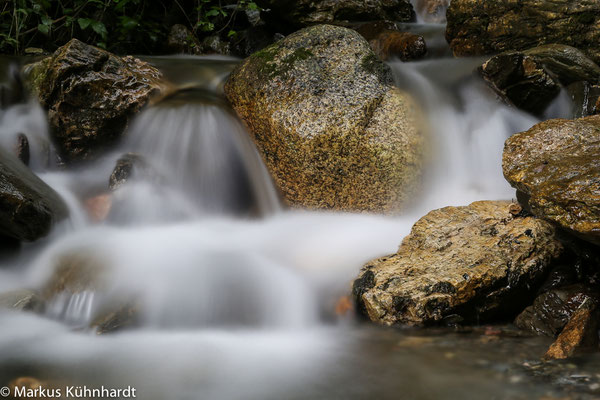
(45, 29)
(212, 13)
(99, 28)
(84, 22)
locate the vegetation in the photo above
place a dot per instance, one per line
(121, 26)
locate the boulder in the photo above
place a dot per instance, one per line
(182, 40)
(532, 79)
(477, 27)
(586, 98)
(332, 130)
(290, 15)
(28, 207)
(555, 167)
(90, 95)
(403, 45)
(473, 264)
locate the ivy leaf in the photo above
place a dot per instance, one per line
(99, 28)
(212, 13)
(84, 22)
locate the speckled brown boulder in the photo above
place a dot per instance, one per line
(555, 167)
(473, 263)
(90, 95)
(28, 207)
(478, 27)
(532, 79)
(333, 131)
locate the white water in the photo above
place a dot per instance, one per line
(233, 306)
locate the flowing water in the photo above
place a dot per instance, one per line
(235, 295)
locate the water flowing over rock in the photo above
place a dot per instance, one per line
(477, 27)
(333, 131)
(470, 263)
(555, 167)
(28, 207)
(432, 10)
(532, 79)
(294, 14)
(404, 45)
(90, 95)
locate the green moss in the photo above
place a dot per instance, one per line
(268, 65)
(372, 64)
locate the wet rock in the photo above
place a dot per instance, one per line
(98, 207)
(215, 45)
(403, 45)
(432, 10)
(586, 98)
(127, 167)
(333, 131)
(290, 15)
(28, 207)
(90, 95)
(532, 79)
(552, 310)
(22, 148)
(182, 40)
(20, 300)
(252, 40)
(477, 27)
(478, 262)
(554, 166)
(580, 331)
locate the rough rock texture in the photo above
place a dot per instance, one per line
(586, 98)
(477, 27)
(332, 130)
(555, 167)
(580, 331)
(289, 15)
(531, 79)
(403, 45)
(470, 263)
(28, 207)
(552, 310)
(126, 168)
(90, 95)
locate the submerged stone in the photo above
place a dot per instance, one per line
(477, 262)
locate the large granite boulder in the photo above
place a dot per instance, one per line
(333, 130)
(90, 95)
(28, 207)
(472, 263)
(555, 167)
(289, 15)
(532, 79)
(477, 27)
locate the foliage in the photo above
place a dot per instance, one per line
(138, 26)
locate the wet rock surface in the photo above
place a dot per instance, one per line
(182, 40)
(289, 15)
(555, 167)
(28, 207)
(333, 131)
(532, 79)
(127, 167)
(475, 263)
(432, 10)
(403, 45)
(20, 300)
(477, 27)
(90, 95)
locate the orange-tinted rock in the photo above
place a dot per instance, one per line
(403, 45)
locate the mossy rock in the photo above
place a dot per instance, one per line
(333, 131)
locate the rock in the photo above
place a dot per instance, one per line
(182, 40)
(532, 79)
(252, 40)
(555, 167)
(580, 331)
(28, 207)
(477, 262)
(333, 131)
(432, 10)
(403, 45)
(290, 15)
(477, 27)
(586, 98)
(215, 45)
(552, 310)
(90, 95)
(22, 148)
(98, 207)
(127, 167)
(20, 300)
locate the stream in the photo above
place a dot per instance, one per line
(236, 294)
